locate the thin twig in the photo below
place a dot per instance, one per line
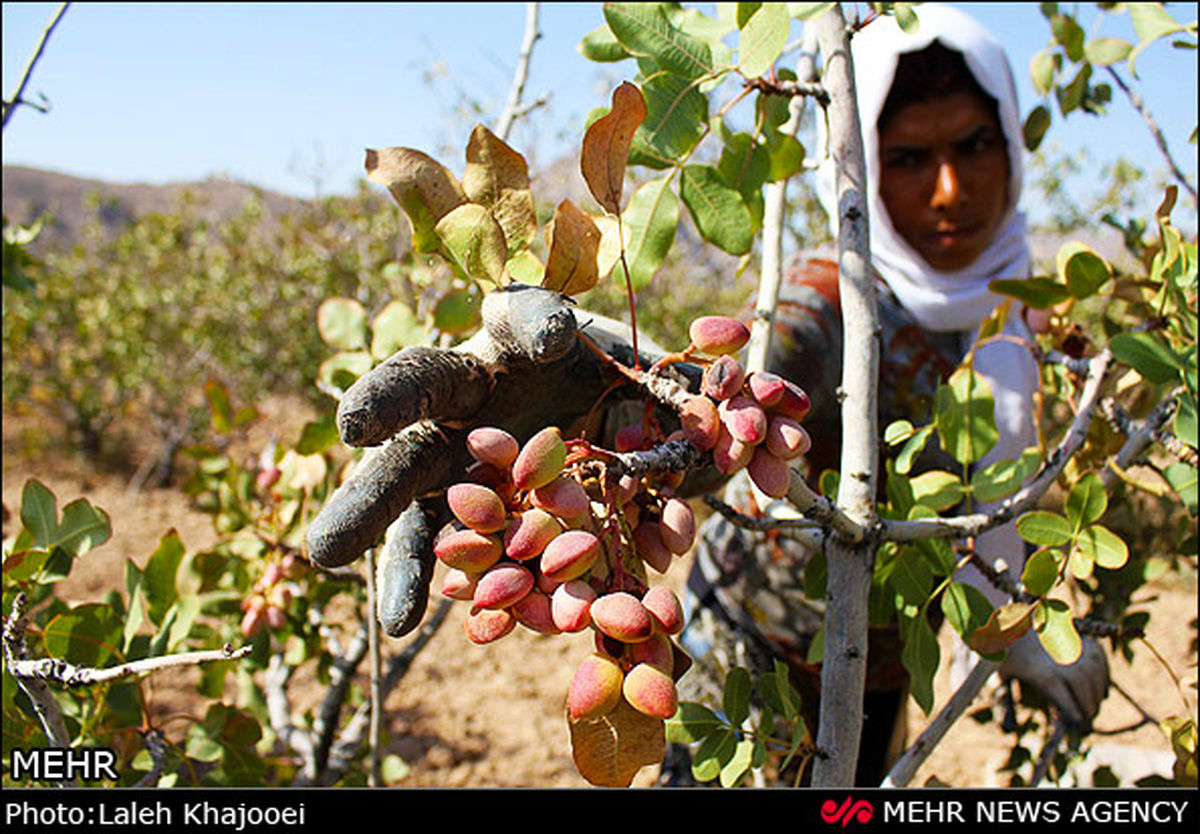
(907, 765)
(15, 652)
(351, 738)
(1048, 753)
(71, 675)
(1159, 139)
(340, 675)
(771, 273)
(10, 107)
(374, 774)
(156, 746)
(513, 108)
(1027, 498)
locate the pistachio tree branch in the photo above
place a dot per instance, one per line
(15, 652)
(774, 209)
(907, 765)
(843, 673)
(18, 99)
(513, 108)
(1159, 139)
(974, 524)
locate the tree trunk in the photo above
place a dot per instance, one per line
(843, 673)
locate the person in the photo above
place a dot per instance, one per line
(942, 141)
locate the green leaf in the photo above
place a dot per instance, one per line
(219, 406)
(964, 416)
(1105, 51)
(82, 528)
(762, 39)
(965, 607)
(1087, 501)
(1082, 270)
(939, 553)
(394, 328)
(1035, 127)
(1151, 21)
(937, 490)
(159, 575)
(1039, 293)
(778, 693)
(318, 435)
(1145, 353)
(1041, 71)
(738, 764)
(458, 311)
(921, 657)
(910, 577)
(1004, 477)
(643, 29)
(692, 722)
(713, 754)
(906, 18)
(342, 323)
(1105, 548)
(137, 608)
(807, 11)
(744, 166)
(1183, 479)
(1044, 528)
(652, 217)
(601, 46)
(721, 214)
(898, 432)
(735, 698)
(1040, 573)
(344, 367)
(676, 115)
(1056, 630)
(1069, 34)
(39, 513)
(474, 243)
(87, 635)
(912, 449)
(786, 156)
(1185, 418)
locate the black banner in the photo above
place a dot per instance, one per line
(814, 810)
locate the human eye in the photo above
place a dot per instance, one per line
(904, 158)
(981, 141)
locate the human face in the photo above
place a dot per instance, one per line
(944, 178)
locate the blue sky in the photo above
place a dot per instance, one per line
(286, 96)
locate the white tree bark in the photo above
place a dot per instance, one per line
(843, 673)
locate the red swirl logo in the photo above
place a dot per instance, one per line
(849, 811)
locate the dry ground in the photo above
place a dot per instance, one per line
(492, 716)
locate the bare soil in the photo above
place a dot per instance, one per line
(492, 716)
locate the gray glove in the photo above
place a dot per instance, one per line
(524, 370)
(1076, 690)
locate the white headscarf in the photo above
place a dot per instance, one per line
(959, 300)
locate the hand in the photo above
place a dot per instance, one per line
(1076, 690)
(526, 369)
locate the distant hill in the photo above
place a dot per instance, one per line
(30, 193)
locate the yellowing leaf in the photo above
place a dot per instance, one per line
(473, 241)
(611, 243)
(574, 243)
(1008, 624)
(497, 177)
(606, 146)
(610, 749)
(423, 187)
